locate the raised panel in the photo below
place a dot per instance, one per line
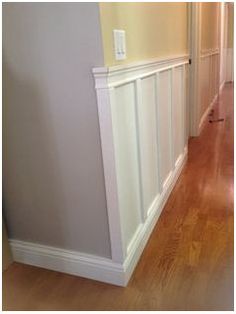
(164, 124)
(126, 156)
(177, 112)
(148, 141)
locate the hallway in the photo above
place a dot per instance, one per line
(188, 261)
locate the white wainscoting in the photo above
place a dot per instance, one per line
(209, 84)
(142, 117)
(144, 109)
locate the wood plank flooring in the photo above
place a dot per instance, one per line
(188, 261)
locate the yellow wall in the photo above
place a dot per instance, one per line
(209, 25)
(152, 29)
(230, 26)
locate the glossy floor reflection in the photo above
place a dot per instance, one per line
(188, 261)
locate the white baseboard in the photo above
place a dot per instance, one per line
(203, 119)
(94, 267)
(66, 261)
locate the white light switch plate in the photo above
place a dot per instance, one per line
(119, 44)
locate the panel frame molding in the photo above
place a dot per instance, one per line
(107, 79)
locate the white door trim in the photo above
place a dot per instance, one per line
(194, 85)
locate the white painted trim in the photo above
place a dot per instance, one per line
(138, 102)
(104, 100)
(209, 53)
(95, 267)
(106, 77)
(106, 80)
(203, 119)
(145, 65)
(194, 84)
(157, 91)
(66, 261)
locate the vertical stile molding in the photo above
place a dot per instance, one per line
(169, 103)
(106, 98)
(138, 104)
(172, 84)
(195, 69)
(212, 77)
(157, 107)
(183, 106)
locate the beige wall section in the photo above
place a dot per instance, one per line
(230, 38)
(152, 29)
(209, 25)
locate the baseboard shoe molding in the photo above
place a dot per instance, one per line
(95, 267)
(203, 119)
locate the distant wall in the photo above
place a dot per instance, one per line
(210, 25)
(209, 74)
(152, 29)
(53, 180)
(230, 39)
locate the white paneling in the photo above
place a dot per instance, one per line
(164, 124)
(209, 84)
(148, 141)
(126, 156)
(177, 112)
(209, 88)
(148, 105)
(185, 105)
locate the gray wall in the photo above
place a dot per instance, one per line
(53, 182)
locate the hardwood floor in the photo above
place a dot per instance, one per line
(188, 261)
